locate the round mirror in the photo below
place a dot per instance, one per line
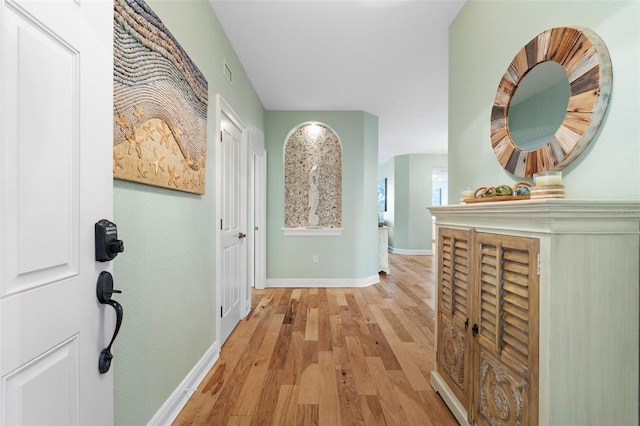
(554, 118)
(538, 106)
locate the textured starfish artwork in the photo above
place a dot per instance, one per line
(178, 132)
(123, 122)
(186, 163)
(186, 180)
(164, 135)
(135, 143)
(157, 161)
(137, 111)
(142, 172)
(159, 114)
(131, 138)
(117, 161)
(173, 176)
(148, 130)
(200, 161)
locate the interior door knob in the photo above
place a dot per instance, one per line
(241, 235)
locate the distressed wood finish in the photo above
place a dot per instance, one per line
(505, 382)
(487, 352)
(586, 61)
(350, 356)
(454, 298)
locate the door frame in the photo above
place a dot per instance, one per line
(257, 213)
(223, 108)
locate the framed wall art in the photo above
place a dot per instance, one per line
(160, 103)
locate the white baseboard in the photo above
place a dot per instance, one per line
(445, 392)
(322, 282)
(178, 399)
(407, 251)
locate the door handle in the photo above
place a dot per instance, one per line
(104, 290)
(241, 235)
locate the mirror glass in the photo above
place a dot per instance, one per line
(539, 105)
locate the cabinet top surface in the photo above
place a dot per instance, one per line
(547, 215)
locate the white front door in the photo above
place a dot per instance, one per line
(233, 228)
(55, 183)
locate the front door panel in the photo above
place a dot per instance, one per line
(55, 182)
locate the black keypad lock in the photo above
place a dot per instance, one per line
(107, 243)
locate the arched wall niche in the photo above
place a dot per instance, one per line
(313, 177)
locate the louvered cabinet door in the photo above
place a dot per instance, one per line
(454, 295)
(506, 355)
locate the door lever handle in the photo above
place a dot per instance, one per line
(241, 235)
(104, 290)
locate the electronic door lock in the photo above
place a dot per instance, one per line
(107, 243)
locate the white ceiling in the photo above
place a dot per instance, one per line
(389, 58)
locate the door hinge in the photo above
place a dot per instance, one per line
(221, 135)
(221, 224)
(538, 264)
(220, 311)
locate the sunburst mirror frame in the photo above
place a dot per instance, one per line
(586, 61)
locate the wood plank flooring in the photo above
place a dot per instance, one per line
(337, 356)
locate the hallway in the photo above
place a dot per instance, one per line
(332, 356)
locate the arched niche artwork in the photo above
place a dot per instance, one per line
(582, 92)
(159, 104)
(313, 178)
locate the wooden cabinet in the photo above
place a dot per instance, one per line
(537, 312)
(487, 324)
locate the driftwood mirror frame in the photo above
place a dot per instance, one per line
(586, 61)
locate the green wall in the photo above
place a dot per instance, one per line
(167, 272)
(483, 40)
(409, 193)
(354, 254)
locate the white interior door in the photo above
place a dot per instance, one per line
(257, 268)
(232, 218)
(55, 183)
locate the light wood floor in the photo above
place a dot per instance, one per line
(339, 356)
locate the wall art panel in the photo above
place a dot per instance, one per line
(313, 177)
(159, 104)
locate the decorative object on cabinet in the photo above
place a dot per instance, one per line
(585, 60)
(547, 185)
(531, 297)
(484, 194)
(159, 104)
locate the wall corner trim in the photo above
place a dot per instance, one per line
(313, 232)
(322, 282)
(180, 396)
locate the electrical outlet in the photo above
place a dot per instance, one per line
(315, 258)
